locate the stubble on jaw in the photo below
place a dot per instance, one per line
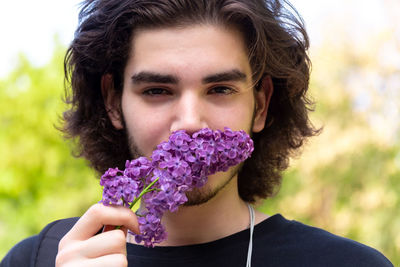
(133, 148)
(196, 196)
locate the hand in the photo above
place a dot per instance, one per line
(82, 247)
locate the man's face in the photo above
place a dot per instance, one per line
(188, 78)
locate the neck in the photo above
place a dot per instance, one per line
(208, 221)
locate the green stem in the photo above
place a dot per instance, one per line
(144, 191)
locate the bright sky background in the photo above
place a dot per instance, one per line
(30, 26)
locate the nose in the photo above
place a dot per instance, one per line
(189, 113)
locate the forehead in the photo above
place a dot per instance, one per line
(193, 48)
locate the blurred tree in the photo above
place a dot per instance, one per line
(348, 179)
(39, 179)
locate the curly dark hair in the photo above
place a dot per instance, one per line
(277, 46)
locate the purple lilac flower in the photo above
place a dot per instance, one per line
(174, 168)
(152, 230)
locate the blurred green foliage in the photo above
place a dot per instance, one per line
(39, 179)
(347, 180)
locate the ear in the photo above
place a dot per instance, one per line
(262, 98)
(112, 101)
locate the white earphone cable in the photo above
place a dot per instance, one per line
(250, 250)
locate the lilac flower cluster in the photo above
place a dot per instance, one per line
(176, 166)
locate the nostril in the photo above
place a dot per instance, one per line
(191, 131)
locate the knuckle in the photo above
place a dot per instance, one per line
(65, 241)
(118, 240)
(120, 260)
(126, 216)
(95, 210)
(62, 243)
(120, 236)
(61, 258)
(66, 252)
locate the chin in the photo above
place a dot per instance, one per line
(204, 194)
(200, 196)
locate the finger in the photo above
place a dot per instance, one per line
(107, 228)
(99, 215)
(115, 260)
(111, 242)
(107, 243)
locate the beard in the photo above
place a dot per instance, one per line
(196, 196)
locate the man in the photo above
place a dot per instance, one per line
(140, 70)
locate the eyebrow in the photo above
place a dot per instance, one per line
(227, 76)
(154, 77)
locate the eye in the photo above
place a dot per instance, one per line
(156, 91)
(221, 90)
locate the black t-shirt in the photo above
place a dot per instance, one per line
(276, 242)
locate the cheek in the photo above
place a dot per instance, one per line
(146, 129)
(146, 135)
(237, 117)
